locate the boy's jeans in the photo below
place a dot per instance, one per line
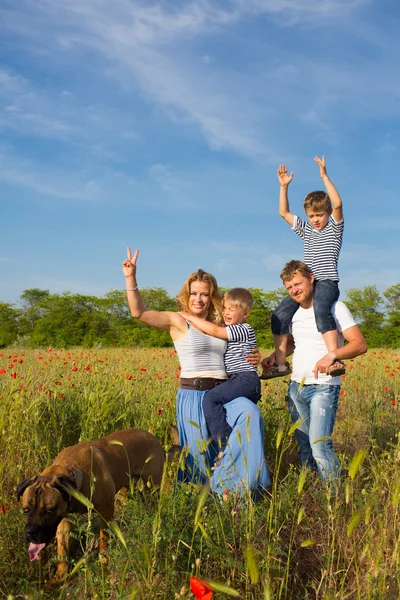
(243, 383)
(316, 405)
(326, 292)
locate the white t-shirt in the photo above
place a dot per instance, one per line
(310, 346)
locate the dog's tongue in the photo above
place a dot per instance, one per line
(34, 550)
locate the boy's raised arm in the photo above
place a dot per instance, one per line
(337, 211)
(206, 326)
(284, 180)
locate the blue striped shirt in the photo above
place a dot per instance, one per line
(321, 248)
(241, 341)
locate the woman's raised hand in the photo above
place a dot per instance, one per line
(129, 264)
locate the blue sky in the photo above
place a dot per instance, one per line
(160, 125)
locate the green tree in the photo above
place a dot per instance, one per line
(392, 299)
(392, 325)
(70, 320)
(34, 305)
(364, 305)
(8, 324)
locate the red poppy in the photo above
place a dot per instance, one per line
(128, 376)
(74, 368)
(200, 589)
(2, 371)
(159, 412)
(88, 367)
(14, 375)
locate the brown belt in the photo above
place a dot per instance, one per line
(200, 383)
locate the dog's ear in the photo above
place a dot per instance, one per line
(64, 483)
(175, 434)
(21, 487)
(175, 449)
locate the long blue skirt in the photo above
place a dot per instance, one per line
(243, 468)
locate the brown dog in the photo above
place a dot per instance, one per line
(96, 469)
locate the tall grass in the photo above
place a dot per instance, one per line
(297, 543)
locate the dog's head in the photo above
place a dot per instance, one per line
(45, 502)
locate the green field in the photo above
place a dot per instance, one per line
(297, 543)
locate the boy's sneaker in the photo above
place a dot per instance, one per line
(337, 369)
(276, 371)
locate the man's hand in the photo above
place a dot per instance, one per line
(322, 166)
(268, 362)
(283, 177)
(323, 364)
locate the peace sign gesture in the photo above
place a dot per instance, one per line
(129, 264)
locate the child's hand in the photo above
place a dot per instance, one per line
(186, 316)
(284, 178)
(322, 166)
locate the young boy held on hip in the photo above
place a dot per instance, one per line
(243, 379)
(322, 235)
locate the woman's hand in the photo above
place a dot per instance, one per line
(129, 265)
(254, 358)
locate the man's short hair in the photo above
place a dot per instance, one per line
(318, 201)
(293, 267)
(240, 297)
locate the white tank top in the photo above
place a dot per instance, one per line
(201, 355)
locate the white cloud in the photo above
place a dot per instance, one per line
(47, 181)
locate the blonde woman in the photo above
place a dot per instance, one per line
(243, 467)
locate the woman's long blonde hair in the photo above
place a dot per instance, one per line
(215, 311)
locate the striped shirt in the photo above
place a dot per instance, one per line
(201, 355)
(321, 248)
(241, 341)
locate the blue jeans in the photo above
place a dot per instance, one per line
(315, 406)
(243, 383)
(326, 292)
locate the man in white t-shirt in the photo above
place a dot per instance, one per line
(313, 394)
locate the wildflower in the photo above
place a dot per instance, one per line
(143, 370)
(74, 368)
(159, 412)
(2, 371)
(14, 375)
(394, 401)
(200, 589)
(88, 367)
(128, 376)
(3, 509)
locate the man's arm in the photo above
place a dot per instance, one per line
(337, 211)
(356, 345)
(206, 326)
(268, 362)
(284, 180)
